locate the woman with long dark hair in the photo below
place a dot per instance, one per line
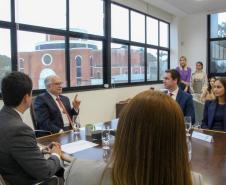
(208, 93)
(214, 116)
(149, 149)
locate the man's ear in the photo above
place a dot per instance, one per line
(27, 98)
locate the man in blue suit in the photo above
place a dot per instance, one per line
(53, 111)
(171, 81)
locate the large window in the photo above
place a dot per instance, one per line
(5, 53)
(217, 44)
(47, 13)
(140, 48)
(88, 43)
(119, 63)
(119, 22)
(41, 57)
(80, 57)
(5, 10)
(87, 16)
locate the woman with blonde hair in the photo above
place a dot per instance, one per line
(185, 74)
(150, 149)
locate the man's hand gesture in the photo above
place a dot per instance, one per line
(76, 102)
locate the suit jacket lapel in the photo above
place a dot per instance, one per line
(178, 96)
(211, 113)
(53, 104)
(224, 118)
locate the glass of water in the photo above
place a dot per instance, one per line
(105, 136)
(187, 122)
(76, 125)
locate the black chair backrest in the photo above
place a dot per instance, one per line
(33, 117)
(38, 133)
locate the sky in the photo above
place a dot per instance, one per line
(43, 13)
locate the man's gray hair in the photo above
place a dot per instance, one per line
(48, 80)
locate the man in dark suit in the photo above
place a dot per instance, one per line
(21, 161)
(171, 81)
(52, 110)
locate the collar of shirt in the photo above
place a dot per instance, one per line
(175, 92)
(20, 114)
(52, 95)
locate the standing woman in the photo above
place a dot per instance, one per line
(198, 79)
(149, 149)
(208, 93)
(214, 117)
(185, 73)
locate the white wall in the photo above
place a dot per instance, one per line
(98, 105)
(193, 39)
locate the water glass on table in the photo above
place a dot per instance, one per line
(187, 122)
(76, 125)
(105, 136)
(188, 126)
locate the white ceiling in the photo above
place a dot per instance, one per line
(188, 7)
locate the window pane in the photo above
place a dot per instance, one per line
(137, 27)
(164, 34)
(86, 62)
(87, 16)
(137, 64)
(152, 65)
(152, 31)
(218, 56)
(163, 63)
(119, 63)
(42, 55)
(5, 53)
(5, 10)
(218, 25)
(119, 22)
(47, 13)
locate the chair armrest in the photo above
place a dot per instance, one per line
(40, 133)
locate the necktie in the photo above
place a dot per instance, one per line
(64, 110)
(171, 94)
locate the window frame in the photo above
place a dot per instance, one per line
(106, 39)
(209, 40)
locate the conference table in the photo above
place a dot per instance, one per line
(209, 159)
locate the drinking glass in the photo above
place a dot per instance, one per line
(105, 135)
(187, 122)
(76, 125)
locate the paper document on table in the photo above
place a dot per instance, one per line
(77, 146)
(202, 136)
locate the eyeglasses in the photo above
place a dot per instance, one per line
(58, 83)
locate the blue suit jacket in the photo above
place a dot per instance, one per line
(186, 103)
(209, 113)
(47, 113)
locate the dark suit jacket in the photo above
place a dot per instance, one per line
(186, 103)
(21, 161)
(209, 113)
(47, 113)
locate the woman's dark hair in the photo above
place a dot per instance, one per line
(209, 88)
(199, 62)
(222, 80)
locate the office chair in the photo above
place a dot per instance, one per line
(38, 132)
